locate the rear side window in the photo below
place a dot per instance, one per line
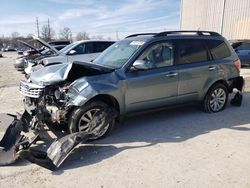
(218, 49)
(84, 48)
(101, 46)
(89, 48)
(191, 51)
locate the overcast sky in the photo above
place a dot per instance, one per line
(96, 17)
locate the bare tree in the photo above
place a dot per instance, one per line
(66, 33)
(29, 36)
(47, 33)
(15, 35)
(82, 36)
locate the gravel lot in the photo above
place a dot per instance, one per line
(181, 147)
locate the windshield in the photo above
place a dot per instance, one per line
(118, 54)
(66, 48)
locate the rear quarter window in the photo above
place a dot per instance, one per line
(218, 48)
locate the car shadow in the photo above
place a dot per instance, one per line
(166, 126)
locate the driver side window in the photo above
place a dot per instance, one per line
(158, 55)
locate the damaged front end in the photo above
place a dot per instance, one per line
(16, 143)
(46, 118)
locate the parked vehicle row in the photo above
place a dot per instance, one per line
(33, 53)
(86, 50)
(9, 49)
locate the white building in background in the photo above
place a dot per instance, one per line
(231, 18)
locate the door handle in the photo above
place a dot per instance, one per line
(211, 68)
(172, 74)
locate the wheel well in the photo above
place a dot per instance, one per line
(108, 99)
(217, 82)
(220, 82)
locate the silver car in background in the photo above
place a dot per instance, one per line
(85, 50)
(33, 54)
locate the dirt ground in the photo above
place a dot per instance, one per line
(181, 147)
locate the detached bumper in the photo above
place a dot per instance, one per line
(236, 83)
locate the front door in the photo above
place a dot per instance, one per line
(156, 86)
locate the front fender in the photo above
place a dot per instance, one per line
(78, 96)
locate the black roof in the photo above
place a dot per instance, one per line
(186, 32)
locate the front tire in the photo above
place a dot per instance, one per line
(92, 118)
(216, 98)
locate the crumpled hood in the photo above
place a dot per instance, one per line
(51, 74)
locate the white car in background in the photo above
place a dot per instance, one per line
(85, 50)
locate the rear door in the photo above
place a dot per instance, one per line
(195, 67)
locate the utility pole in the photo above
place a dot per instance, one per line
(222, 19)
(49, 38)
(37, 27)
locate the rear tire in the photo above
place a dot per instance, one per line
(215, 99)
(86, 119)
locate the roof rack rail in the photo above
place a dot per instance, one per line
(138, 34)
(165, 33)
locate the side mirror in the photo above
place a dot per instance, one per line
(71, 52)
(140, 65)
(49, 53)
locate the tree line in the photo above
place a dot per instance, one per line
(47, 34)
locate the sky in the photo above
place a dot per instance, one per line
(109, 18)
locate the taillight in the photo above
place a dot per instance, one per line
(237, 64)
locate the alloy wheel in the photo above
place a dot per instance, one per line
(218, 99)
